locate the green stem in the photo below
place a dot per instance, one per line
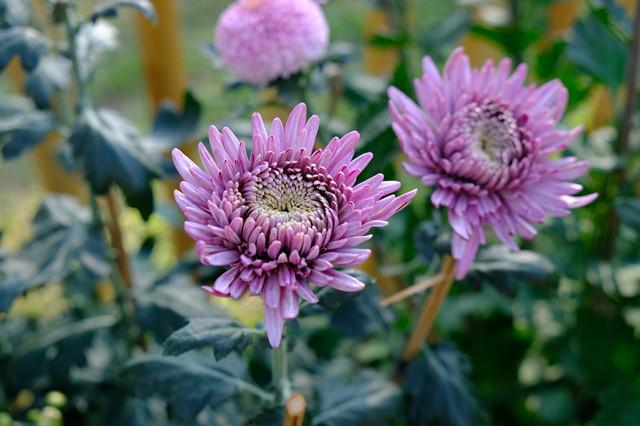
(279, 373)
(72, 31)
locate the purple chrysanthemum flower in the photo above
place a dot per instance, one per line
(285, 216)
(262, 40)
(485, 141)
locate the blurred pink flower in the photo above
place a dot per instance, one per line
(487, 144)
(262, 40)
(285, 216)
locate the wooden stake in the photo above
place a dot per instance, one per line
(162, 57)
(378, 60)
(430, 310)
(414, 289)
(294, 410)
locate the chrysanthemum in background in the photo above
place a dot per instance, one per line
(285, 216)
(486, 143)
(262, 40)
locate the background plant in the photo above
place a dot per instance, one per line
(544, 336)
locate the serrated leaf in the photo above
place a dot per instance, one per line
(629, 211)
(24, 42)
(54, 350)
(166, 303)
(110, 9)
(439, 388)
(188, 384)
(222, 334)
(171, 127)
(598, 52)
(364, 399)
(63, 239)
(51, 75)
(112, 153)
(22, 128)
(505, 269)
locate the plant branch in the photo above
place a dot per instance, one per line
(72, 31)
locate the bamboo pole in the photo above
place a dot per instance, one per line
(430, 310)
(378, 60)
(294, 410)
(162, 57)
(421, 286)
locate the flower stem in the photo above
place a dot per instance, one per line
(72, 31)
(279, 372)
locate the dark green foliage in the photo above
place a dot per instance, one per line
(440, 38)
(171, 128)
(64, 238)
(187, 385)
(26, 43)
(47, 357)
(222, 334)
(506, 270)
(110, 9)
(100, 136)
(22, 127)
(439, 388)
(367, 398)
(629, 211)
(51, 76)
(362, 315)
(598, 52)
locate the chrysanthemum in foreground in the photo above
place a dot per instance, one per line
(485, 141)
(285, 216)
(262, 40)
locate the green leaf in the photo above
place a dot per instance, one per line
(110, 9)
(598, 52)
(187, 384)
(620, 406)
(355, 314)
(505, 269)
(440, 37)
(222, 334)
(51, 76)
(113, 154)
(439, 388)
(22, 128)
(63, 239)
(362, 315)
(629, 211)
(14, 13)
(53, 351)
(25, 42)
(171, 127)
(365, 399)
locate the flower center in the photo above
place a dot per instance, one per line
(288, 196)
(491, 132)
